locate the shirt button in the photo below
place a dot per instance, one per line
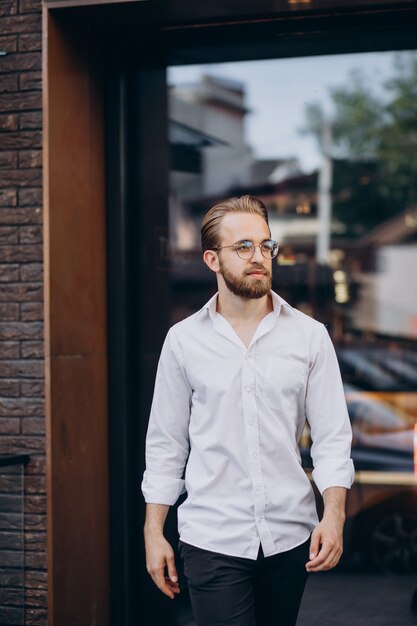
(258, 487)
(254, 455)
(251, 422)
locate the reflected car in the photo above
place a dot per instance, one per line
(381, 523)
(365, 371)
(395, 362)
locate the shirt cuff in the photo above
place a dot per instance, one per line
(159, 489)
(332, 473)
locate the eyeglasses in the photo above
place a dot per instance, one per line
(245, 249)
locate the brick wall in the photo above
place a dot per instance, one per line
(21, 287)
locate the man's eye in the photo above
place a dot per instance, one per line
(244, 245)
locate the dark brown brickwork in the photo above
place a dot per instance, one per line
(22, 421)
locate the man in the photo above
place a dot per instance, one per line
(235, 384)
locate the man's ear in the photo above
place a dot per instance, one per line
(211, 259)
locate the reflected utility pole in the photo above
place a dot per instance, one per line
(324, 196)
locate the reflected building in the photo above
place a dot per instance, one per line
(210, 156)
(388, 294)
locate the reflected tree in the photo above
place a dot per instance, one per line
(374, 145)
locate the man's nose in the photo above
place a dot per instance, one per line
(257, 255)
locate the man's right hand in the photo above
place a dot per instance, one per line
(160, 556)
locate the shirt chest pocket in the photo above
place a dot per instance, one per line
(283, 375)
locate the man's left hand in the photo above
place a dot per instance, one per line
(326, 545)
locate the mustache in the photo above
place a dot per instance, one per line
(258, 269)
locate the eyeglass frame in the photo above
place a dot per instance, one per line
(255, 245)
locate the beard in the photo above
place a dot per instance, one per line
(243, 287)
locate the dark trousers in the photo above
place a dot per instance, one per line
(234, 591)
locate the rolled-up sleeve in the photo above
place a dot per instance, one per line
(167, 442)
(328, 417)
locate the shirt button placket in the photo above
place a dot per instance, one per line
(252, 433)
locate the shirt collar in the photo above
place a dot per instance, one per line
(277, 302)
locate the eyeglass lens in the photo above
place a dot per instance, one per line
(246, 249)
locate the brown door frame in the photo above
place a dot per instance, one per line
(75, 331)
(75, 37)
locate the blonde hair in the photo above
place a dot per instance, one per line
(211, 221)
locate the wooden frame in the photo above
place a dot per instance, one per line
(75, 332)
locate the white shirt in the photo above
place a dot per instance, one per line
(232, 417)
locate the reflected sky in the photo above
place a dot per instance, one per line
(280, 89)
